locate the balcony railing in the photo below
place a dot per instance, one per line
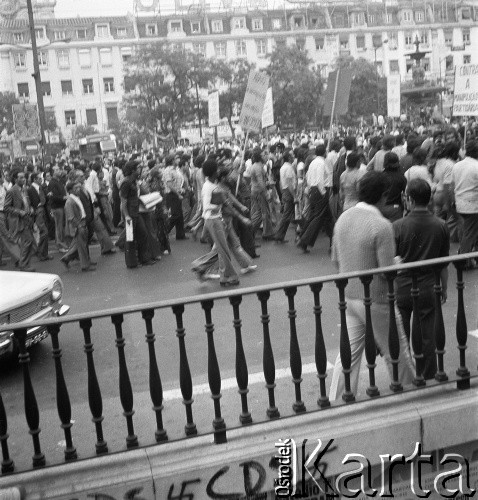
(183, 309)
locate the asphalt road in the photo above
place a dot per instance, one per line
(113, 285)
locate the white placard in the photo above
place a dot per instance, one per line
(251, 111)
(213, 109)
(393, 96)
(268, 111)
(465, 98)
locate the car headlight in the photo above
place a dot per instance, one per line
(56, 291)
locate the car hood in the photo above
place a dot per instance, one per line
(18, 288)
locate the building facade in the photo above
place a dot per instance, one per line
(82, 59)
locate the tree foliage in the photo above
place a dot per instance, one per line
(7, 100)
(81, 131)
(366, 86)
(296, 87)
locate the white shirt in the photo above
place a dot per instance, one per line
(330, 161)
(78, 202)
(209, 210)
(92, 185)
(316, 174)
(465, 180)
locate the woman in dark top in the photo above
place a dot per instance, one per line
(393, 209)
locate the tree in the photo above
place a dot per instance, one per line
(296, 87)
(7, 100)
(364, 90)
(234, 74)
(81, 131)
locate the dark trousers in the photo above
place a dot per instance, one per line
(288, 213)
(40, 221)
(27, 246)
(246, 236)
(177, 218)
(141, 240)
(79, 247)
(426, 313)
(469, 237)
(319, 217)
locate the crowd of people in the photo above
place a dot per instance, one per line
(378, 198)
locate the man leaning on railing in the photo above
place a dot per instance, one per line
(363, 240)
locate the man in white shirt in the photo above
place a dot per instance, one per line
(6, 240)
(288, 184)
(465, 189)
(319, 215)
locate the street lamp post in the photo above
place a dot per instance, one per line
(376, 73)
(36, 76)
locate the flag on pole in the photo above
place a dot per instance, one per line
(342, 95)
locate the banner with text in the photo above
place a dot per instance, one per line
(251, 111)
(213, 109)
(393, 96)
(268, 111)
(465, 98)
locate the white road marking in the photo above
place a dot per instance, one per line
(231, 383)
(473, 333)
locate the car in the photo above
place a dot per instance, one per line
(26, 297)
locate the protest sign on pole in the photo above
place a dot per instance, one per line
(465, 97)
(268, 111)
(393, 96)
(213, 109)
(251, 111)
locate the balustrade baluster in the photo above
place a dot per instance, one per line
(417, 343)
(62, 396)
(185, 380)
(7, 462)
(393, 341)
(370, 346)
(268, 363)
(126, 391)
(345, 351)
(242, 374)
(94, 393)
(31, 407)
(294, 351)
(320, 351)
(439, 327)
(214, 375)
(155, 385)
(461, 329)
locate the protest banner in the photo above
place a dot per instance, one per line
(213, 109)
(465, 98)
(268, 111)
(251, 111)
(393, 96)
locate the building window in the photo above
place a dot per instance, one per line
(407, 16)
(105, 57)
(466, 37)
(43, 59)
(125, 54)
(298, 22)
(195, 27)
(199, 48)
(300, 42)
(280, 43)
(87, 86)
(394, 67)
(419, 16)
(102, 31)
(40, 33)
(408, 39)
(449, 66)
(63, 57)
(81, 34)
(466, 14)
(339, 21)
(46, 89)
(66, 87)
(121, 32)
(466, 59)
(152, 29)
(257, 25)
(424, 37)
(317, 22)
(393, 41)
(112, 117)
(70, 118)
(216, 26)
(109, 85)
(360, 41)
(23, 90)
(426, 64)
(241, 48)
(319, 42)
(358, 18)
(239, 23)
(18, 37)
(91, 118)
(261, 47)
(276, 24)
(175, 26)
(388, 18)
(220, 49)
(19, 59)
(60, 35)
(84, 57)
(448, 34)
(344, 41)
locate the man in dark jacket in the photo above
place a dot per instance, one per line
(37, 199)
(57, 195)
